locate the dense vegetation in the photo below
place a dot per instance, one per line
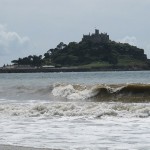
(88, 54)
(30, 60)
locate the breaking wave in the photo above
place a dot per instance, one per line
(122, 92)
(79, 92)
(77, 109)
(83, 101)
(74, 92)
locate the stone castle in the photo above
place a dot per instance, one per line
(96, 37)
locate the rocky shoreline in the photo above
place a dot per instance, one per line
(70, 69)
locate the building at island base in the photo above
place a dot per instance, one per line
(96, 37)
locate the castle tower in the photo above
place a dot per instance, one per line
(96, 32)
(96, 37)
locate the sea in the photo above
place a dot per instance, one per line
(76, 110)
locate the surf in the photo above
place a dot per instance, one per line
(103, 92)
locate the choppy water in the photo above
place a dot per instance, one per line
(95, 110)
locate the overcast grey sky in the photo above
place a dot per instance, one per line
(34, 26)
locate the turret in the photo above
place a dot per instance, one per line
(96, 37)
(96, 32)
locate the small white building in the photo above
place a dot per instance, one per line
(48, 66)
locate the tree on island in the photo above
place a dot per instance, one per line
(30, 60)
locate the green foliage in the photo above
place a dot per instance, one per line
(30, 60)
(96, 65)
(88, 53)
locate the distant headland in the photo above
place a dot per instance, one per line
(95, 52)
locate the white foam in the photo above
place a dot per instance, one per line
(69, 92)
(63, 91)
(78, 109)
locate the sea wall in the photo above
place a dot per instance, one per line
(70, 69)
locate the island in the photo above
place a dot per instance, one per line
(95, 52)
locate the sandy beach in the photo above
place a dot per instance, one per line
(9, 147)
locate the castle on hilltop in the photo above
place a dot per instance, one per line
(96, 37)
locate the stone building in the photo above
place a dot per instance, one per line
(96, 37)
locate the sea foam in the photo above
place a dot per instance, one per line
(72, 93)
(78, 109)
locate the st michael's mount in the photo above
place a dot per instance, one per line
(95, 52)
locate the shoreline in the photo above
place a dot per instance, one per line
(12, 147)
(70, 69)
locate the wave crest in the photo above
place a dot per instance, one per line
(124, 92)
(74, 92)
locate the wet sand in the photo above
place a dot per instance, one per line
(9, 147)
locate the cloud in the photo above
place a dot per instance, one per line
(12, 45)
(11, 42)
(130, 40)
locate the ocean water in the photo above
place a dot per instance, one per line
(76, 111)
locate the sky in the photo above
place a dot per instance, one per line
(29, 27)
